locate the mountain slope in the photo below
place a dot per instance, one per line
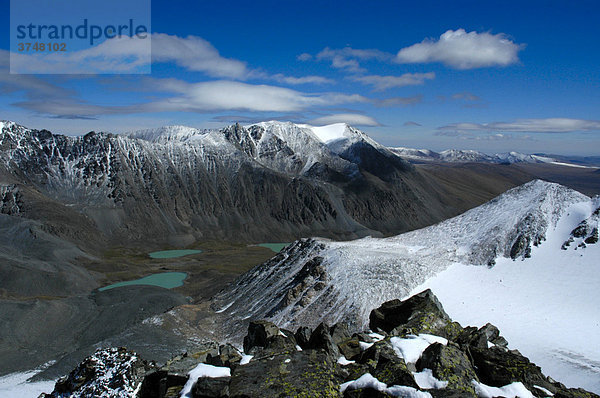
(260, 182)
(318, 280)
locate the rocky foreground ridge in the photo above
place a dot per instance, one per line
(413, 349)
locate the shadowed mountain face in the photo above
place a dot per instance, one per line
(179, 184)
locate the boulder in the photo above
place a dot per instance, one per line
(229, 356)
(258, 334)
(479, 338)
(107, 370)
(350, 348)
(299, 373)
(421, 313)
(449, 363)
(302, 336)
(498, 367)
(386, 366)
(211, 387)
(321, 339)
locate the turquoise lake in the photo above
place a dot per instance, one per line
(276, 247)
(168, 280)
(173, 253)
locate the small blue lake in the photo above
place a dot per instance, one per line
(168, 280)
(276, 247)
(173, 253)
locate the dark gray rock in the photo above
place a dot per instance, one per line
(259, 333)
(321, 339)
(479, 338)
(299, 373)
(350, 348)
(449, 363)
(211, 387)
(339, 332)
(498, 367)
(421, 313)
(302, 336)
(365, 393)
(386, 366)
(229, 356)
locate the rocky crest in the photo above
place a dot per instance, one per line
(412, 350)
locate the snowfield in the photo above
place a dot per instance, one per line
(546, 306)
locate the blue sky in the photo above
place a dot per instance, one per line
(493, 76)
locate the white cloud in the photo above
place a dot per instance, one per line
(301, 80)
(353, 119)
(466, 96)
(381, 83)
(347, 58)
(196, 54)
(402, 101)
(229, 95)
(462, 50)
(550, 125)
(304, 57)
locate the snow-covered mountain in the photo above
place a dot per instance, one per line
(466, 156)
(318, 280)
(293, 178)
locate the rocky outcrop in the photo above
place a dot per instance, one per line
(586, 233)
(415, 350)
(114, 370)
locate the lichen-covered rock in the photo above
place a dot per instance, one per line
(350, 348)
(421, 313)
(386, 366)
(498, 367)
(449, 363)
(307, 373)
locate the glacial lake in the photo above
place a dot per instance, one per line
(276, 247)
(173, 253)
(168, 280)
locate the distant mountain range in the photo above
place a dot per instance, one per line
(465, 156)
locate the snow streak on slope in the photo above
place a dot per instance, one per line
(332, 281)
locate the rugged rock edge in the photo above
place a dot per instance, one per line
(413, 349)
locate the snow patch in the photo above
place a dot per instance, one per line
(368, 381)
(202, 370)
(343, 361)
(425, 379)
(514, 390)
(411, 348)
